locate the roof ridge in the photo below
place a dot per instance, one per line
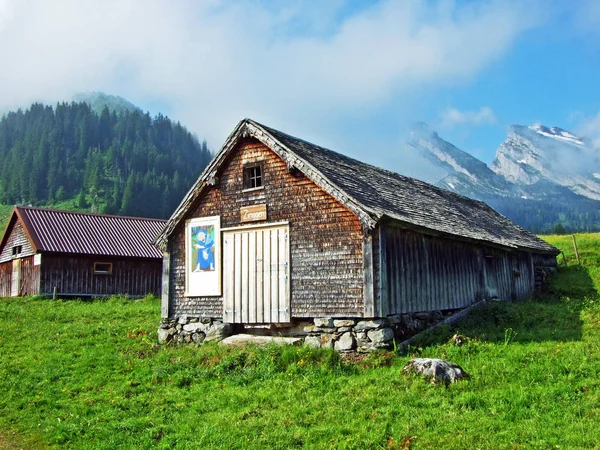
(83, 213)
(376, 168)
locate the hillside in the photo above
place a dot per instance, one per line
(80, 374)
(117, 163)
(98, 100)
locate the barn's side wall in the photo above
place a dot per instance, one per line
(325, 238)
(509, 275)
(427, 273)
(74, 275)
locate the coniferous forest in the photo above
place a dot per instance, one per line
(115, 163)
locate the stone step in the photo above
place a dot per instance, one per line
(241, 339)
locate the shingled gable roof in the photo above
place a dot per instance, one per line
(72, 232)
(373, 194)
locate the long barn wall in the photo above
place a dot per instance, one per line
(74, 275)
(325, 238)
(426, 273)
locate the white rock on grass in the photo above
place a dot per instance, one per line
(436, 370)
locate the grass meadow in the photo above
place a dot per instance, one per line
(89, 375)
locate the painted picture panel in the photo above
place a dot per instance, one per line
(203, 256)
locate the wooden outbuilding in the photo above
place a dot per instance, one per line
(281, 231)
(65, 253)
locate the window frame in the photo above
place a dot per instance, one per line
(97, 271)
(249, 177)
(17, 250)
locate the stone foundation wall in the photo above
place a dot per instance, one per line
(347, 335)
(343, 335)
(184, 330)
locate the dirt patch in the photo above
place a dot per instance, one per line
(353, 357)
(10, 440)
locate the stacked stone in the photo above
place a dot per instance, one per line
(343, 335)
(193, 329)
(346, 335)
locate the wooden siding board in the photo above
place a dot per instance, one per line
(428, 273)
(164, 299)
(73, 275)
(5, 278)
(326, 259)
(369, 300)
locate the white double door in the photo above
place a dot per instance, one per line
(256, 274)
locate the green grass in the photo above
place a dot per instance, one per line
(5, 211)
(89, 375)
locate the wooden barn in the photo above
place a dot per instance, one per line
(48, 252)
(278, 231)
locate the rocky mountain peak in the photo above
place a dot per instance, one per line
(538, 153)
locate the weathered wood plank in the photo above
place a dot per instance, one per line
(164, 299)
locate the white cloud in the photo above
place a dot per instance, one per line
(215, 61)
(589, 127)
(452, 117)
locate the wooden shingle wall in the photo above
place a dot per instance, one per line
(17, 237)
(325, 238)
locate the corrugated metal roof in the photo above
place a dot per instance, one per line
(91, 234)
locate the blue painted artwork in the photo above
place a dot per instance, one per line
(203, 248)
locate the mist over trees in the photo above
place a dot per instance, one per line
(115, 163)
(552, 215)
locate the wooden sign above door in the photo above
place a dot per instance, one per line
(253, 213)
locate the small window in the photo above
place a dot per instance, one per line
(101, 268)
(253, 176)
(17, 250)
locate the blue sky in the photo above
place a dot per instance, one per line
(349, 75)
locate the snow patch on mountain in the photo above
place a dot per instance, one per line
(557, 133)
(537, 154)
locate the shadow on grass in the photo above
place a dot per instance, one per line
(553, 316)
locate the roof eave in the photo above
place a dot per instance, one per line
(432, 232)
